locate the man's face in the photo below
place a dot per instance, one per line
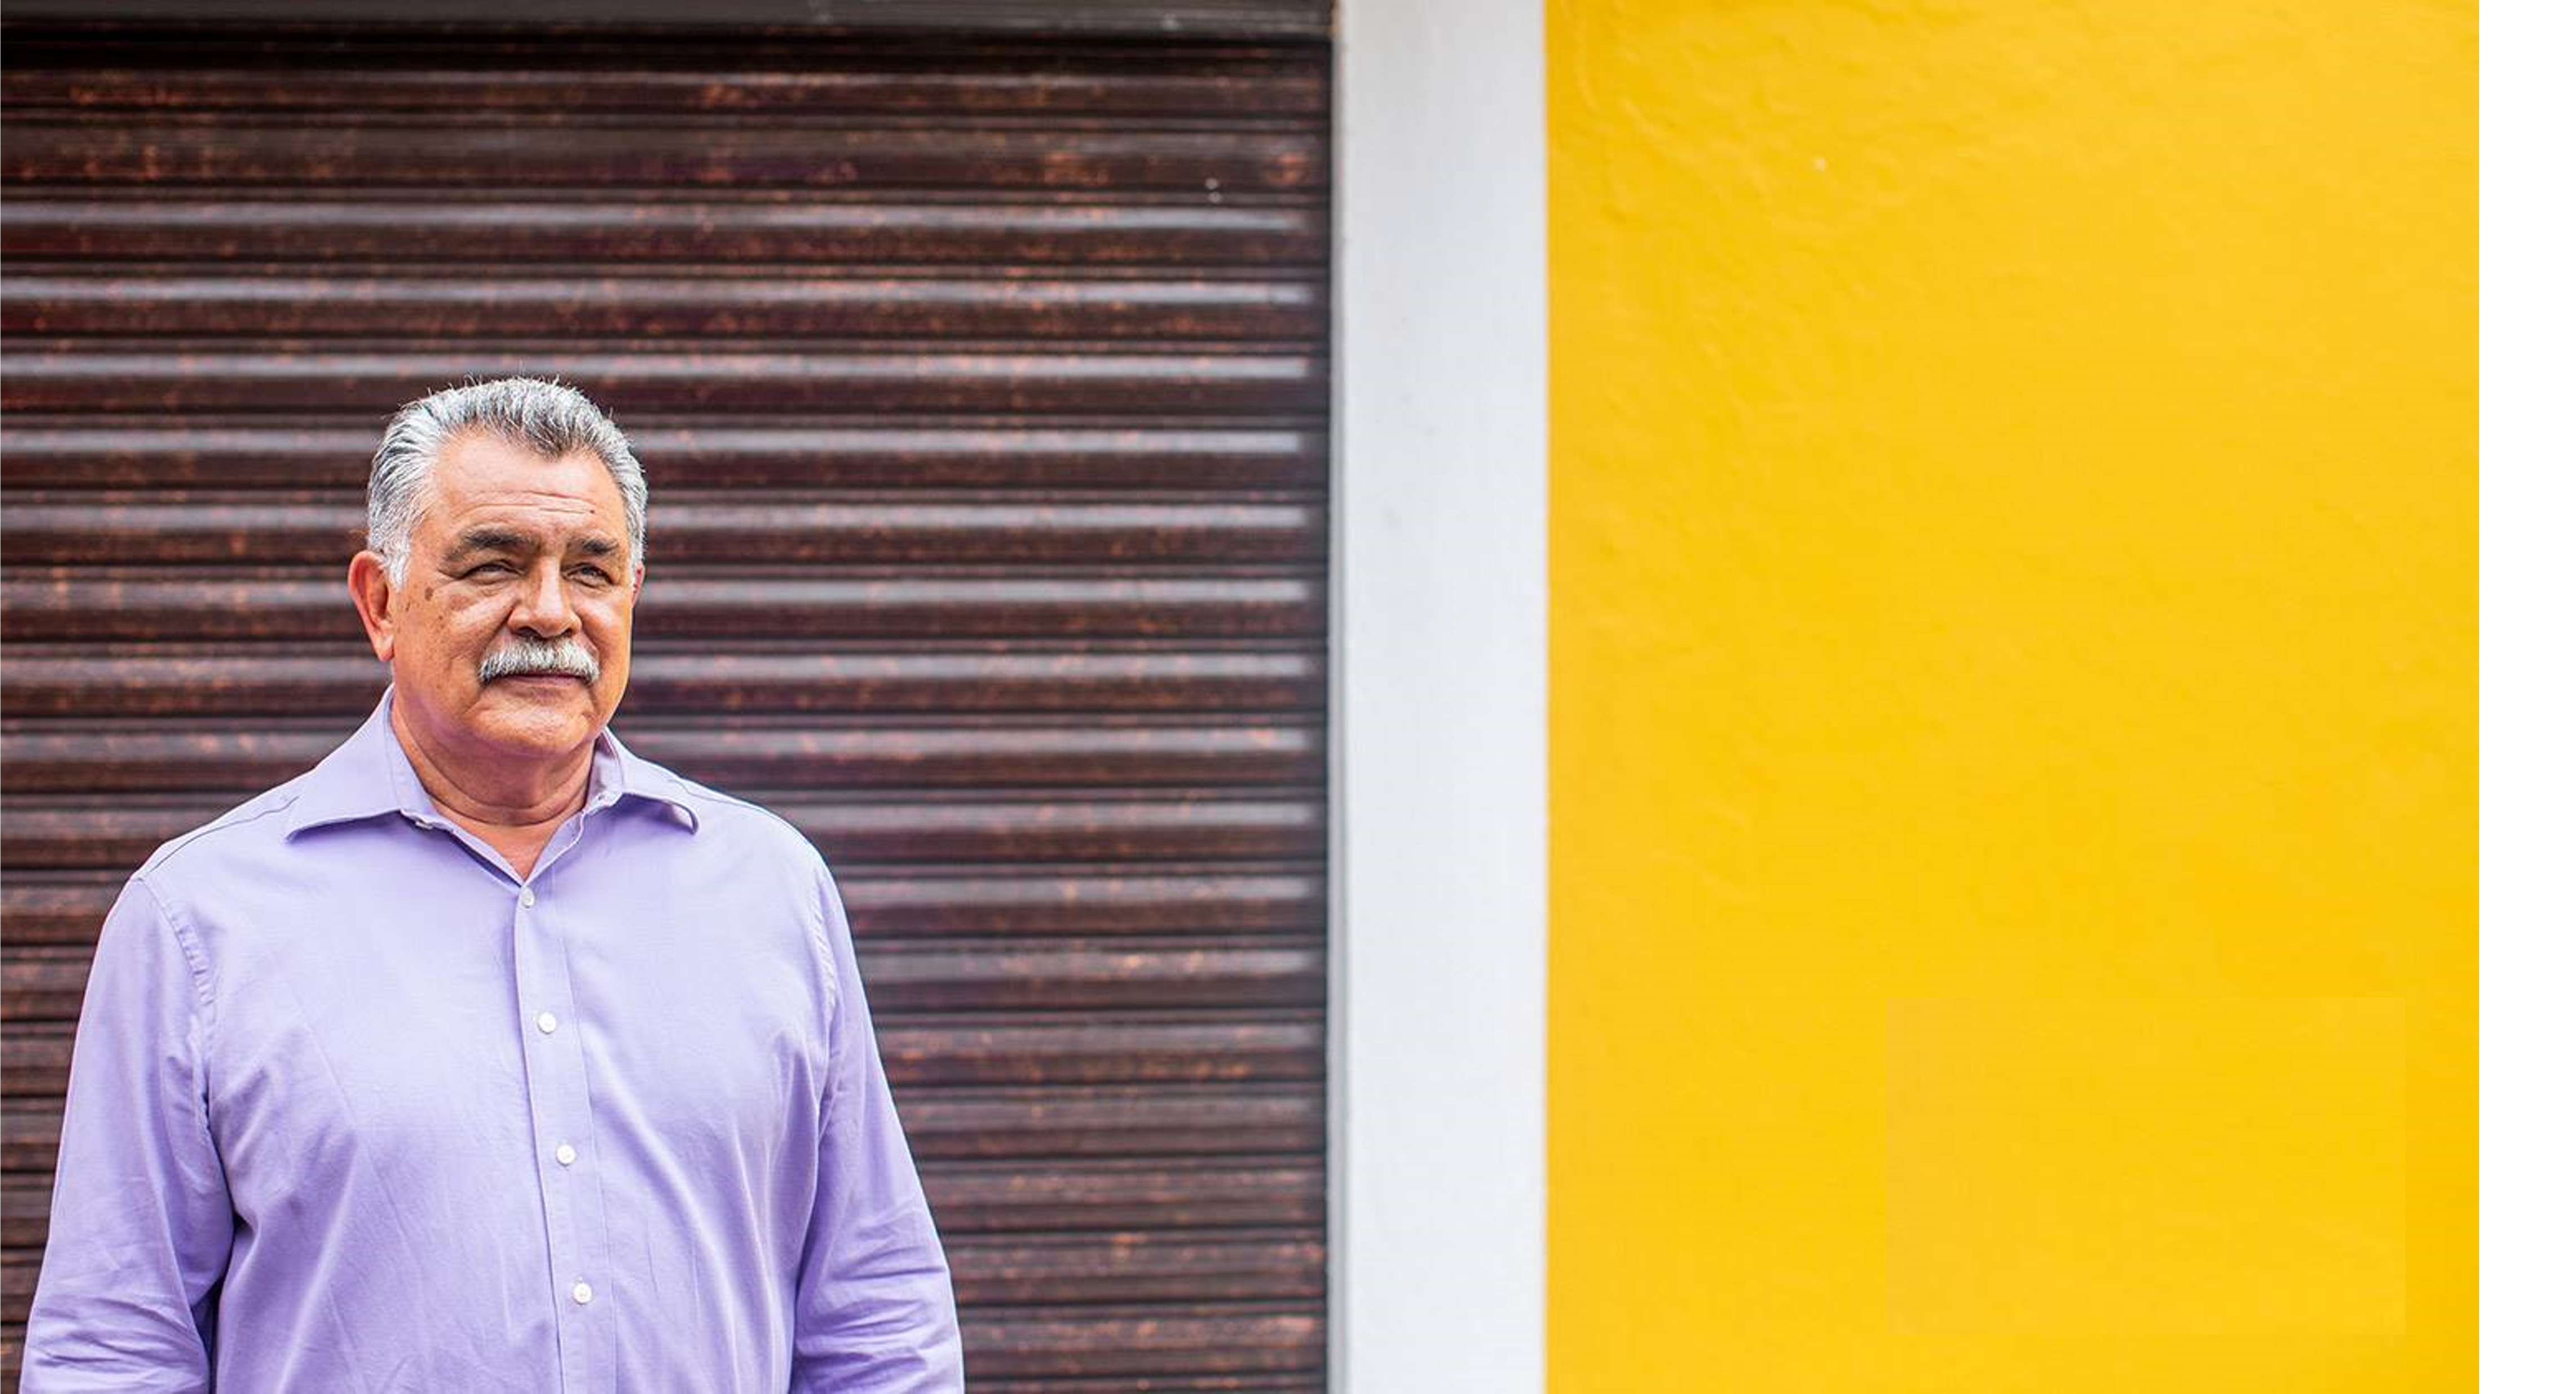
(513, 550)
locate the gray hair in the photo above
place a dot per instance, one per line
(550, 418)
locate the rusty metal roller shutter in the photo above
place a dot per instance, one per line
(982, 387)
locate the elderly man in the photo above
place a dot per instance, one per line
(486, 1055)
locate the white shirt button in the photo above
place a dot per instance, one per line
(546, 1022)
(564, 1153)
(581, 1293)
(528, 897)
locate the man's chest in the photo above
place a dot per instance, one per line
(450, 1042)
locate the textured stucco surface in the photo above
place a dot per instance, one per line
(2013, 696)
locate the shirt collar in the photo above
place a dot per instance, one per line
(369, 776)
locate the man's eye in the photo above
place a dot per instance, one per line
(489, 568)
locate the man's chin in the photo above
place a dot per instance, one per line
(539, 716)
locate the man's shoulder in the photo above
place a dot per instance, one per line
(345, 784)
(258, 822)
(220, 849)
(735, 821)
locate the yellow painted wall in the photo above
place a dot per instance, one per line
(2013, 678)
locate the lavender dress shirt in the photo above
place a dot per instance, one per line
(355, 1108)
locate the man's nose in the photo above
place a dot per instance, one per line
(545, 607)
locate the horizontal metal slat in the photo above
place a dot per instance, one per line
(35, 1055)
(330, 79)
(40, 991)
(465, 302)
(688, 600)
(995, 23)
(1041, 1345)
(971, 1197)
(1109, 1121)
(976, 1197)
(283, 529)
(1166, 1120)
(299, 377)
(61, 909)
(1199, 826)
(1045, 901)
(36, 1052)
(45, 682)
(60, 453)
(50, 831)
(126, 757)
(65, 528)
(1135, 1266)
(64, 908)
(1132, 1350)
(1105, 1052)
(1201, 974)
(1310, 1381)
(45, 983)
(747, 228)
(553, 152)
(1138, 1266)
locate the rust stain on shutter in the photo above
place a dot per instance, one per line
(982, 389)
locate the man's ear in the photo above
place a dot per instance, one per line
(371, 589)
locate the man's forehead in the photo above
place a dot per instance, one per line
(480, 473)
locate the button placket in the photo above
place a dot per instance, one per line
(558, 1108)
(563, 1120)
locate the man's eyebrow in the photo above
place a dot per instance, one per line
(598, 545)
(490, 538)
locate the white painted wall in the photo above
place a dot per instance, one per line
(1439, 709)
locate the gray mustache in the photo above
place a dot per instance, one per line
(519, 657)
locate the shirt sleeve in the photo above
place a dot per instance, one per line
(142, 1222)
(874, 1309)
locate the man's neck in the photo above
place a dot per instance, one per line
(514, 806)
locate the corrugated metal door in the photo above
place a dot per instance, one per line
(982, 390)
